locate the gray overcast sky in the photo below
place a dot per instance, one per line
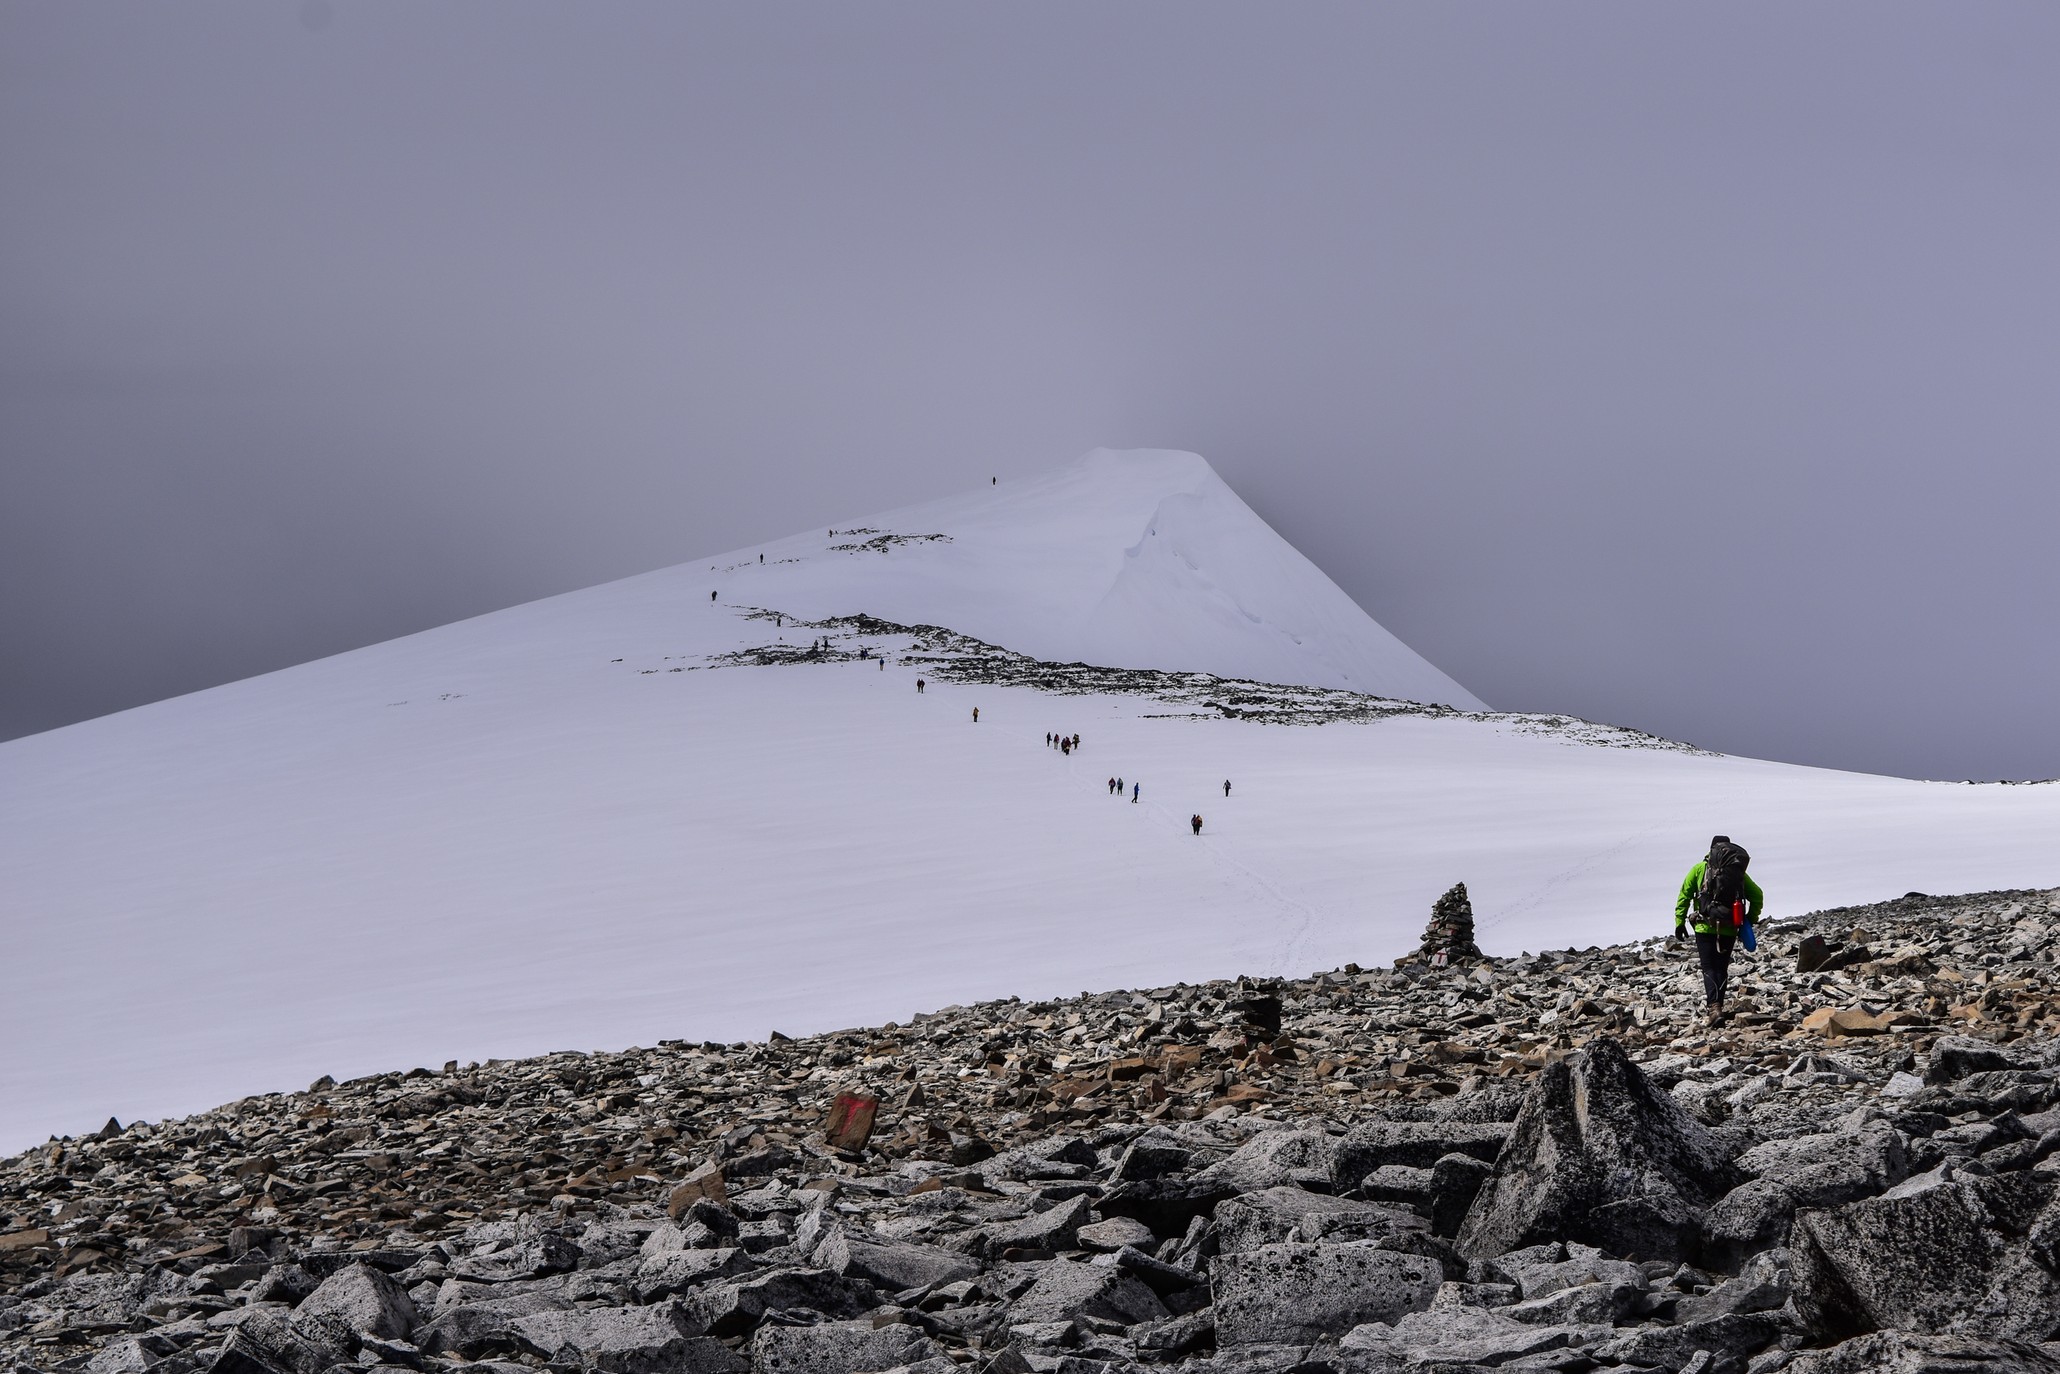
(1693, 367)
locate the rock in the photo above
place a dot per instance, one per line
(1761, 1286)
(1898, 1352)
(666, 1274)
(1817, 1170)
(1115, 1233)
(1054, 1229)
(1166, 1205)
(1835, 1022)
(1464, 1336)
(734, 1307)
(1147, 1158)
(1601, 1156)
(1955, 1057)
(1456, 1180)
(838, 1348)
(1539, 1271)
(1918, 1261)
(1272, 1158)
(625, 1340)
(366, 1301)
(1304, 1292)
(1416, 1144)
(1066, 1292)
(473, 1329)
(849, 1124)
(892, 1267)
(1728, 1339)
(704, 1182)
(1274, 1215)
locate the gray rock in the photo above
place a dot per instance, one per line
(1899, 1352)
(1465, 1336)
(625, 1340)
(1115, 1233)
(891, 1267)
(669, 1273)
(1456, 1180)
(1599, 1155)
(1273, 1215)
(366, 1301)
(1728, 1339)
(1167, 1205)
(472, 1329)
(1301, 1293)
(1954, 1057)
(1151, 1156)
(1761, 1286)
(1273, 1158)
(1539, 1271)
(734, 1307)
(838, 1348)
(1819, 1170)
(1055, 1228)
(1416, 1144)
(1066, 1292)
(1918, 1261)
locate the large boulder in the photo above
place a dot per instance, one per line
(476, 1328)
(1822, 1170)
(1273, 1158)
(735, 1307)
(1294, 1293)
(367, 1302)
(1468, 1336)
(891, 1267)
(1940, 1252)
(1600, 1156)
(1066, 1292)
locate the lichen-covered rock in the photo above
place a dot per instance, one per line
(1302, 1293)
(1066, 1292)
(366, 1301)
(1601, 1156)
(838, 1348)
(1900, 1352)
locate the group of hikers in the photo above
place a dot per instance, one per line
(1116, 788)
(1065, 744)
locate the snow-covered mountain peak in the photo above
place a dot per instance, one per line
(1132, 559)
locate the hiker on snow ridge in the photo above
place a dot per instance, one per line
(1726, 906)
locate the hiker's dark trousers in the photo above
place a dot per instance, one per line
(1715, 953)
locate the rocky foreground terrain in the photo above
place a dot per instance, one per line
(1459, 1163)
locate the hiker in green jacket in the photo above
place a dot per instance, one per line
(1724, 903)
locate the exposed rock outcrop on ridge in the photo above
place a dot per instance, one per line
(1546, 1162)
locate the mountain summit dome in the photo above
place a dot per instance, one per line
(1140, 558)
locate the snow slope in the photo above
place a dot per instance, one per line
(557, 827)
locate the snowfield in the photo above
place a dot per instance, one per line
(566, 825)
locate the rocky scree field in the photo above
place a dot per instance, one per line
(1457, 1164)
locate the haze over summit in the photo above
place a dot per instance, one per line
(1688, 368)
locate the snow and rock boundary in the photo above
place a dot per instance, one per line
(1344, 1171)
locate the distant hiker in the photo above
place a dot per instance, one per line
(761, 558)
(919, 686)
(1726, 906)
(1196, 821)
(976, 715)
(883, 665)
(1066, 747)
(1076, 741)
(1226, 787)
(994, 481)
(1135, 788)
(1112, 787)
(1047, 739)
(711, 596)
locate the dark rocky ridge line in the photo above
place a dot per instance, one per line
(1538, 1162)
(953, 657)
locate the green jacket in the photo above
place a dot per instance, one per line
(1684, 904)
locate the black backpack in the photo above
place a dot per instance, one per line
(1723, 879)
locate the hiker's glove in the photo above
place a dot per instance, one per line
(1679, 931)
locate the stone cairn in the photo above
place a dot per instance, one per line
(1449, 936)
